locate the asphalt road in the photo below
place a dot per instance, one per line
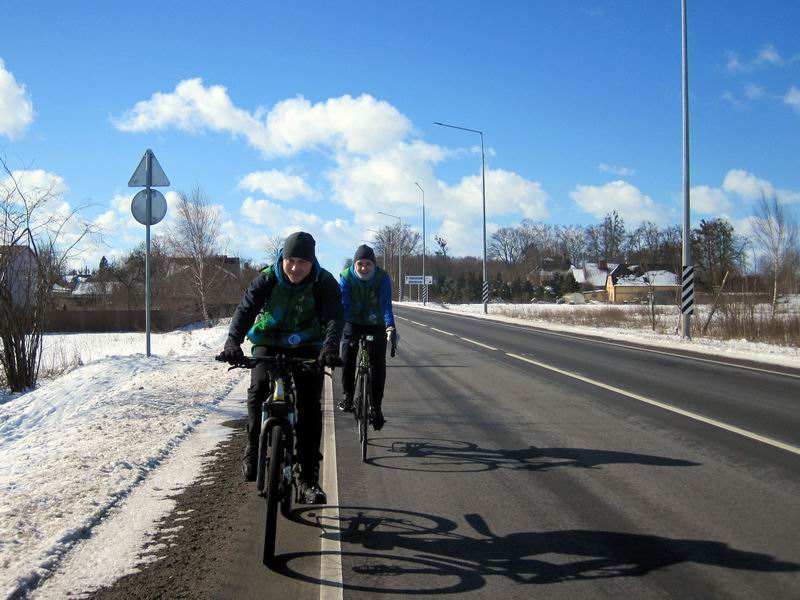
(517, 463)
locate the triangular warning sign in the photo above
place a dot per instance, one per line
(139, 177)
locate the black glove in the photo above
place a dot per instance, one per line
(329, 357)
(392, 337)
(232, 353)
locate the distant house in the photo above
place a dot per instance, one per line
(18, 273)
(592, 279)
(630, 284)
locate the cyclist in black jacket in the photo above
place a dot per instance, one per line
(294, 308)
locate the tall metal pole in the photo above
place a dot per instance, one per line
(148, 217)
(485, 291)
(400, 258)
(424, 281)
(399, 255)
(687, 276)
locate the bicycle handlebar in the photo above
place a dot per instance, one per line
(248, 362)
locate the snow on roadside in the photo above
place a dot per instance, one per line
(72, 449)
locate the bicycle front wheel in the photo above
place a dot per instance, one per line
(366, 404)
(273, 491)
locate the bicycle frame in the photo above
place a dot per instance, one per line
(280, 407)
(363, 392)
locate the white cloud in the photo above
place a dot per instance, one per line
(355, 125)
(733, 100)
(750, 187)
(268, 214)
(708, 200)
(16, 107)
(733, 64)
(792, 98)
(616, 170)
(768, 55)
(35, 183)
(385, 180)
(276, 184)
(506, 193)
(626, 199)
(746, 185)
(753, 91)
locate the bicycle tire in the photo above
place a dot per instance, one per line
(273, 491)
(365, 406)
(357, 403)
(287, 491)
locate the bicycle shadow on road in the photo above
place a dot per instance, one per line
(404, 552)
(456, 456)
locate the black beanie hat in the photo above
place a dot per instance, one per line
(299, 245)
(364, 252)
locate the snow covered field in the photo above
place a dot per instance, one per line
(94, 452)
(77, 447)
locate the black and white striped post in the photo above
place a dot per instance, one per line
(687, 291)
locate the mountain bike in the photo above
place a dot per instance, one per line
(277, 475)
(363, 409)
(362, 402)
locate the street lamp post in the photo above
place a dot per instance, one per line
(485, 294)
(687, 273)
(384, 249)
(399, 255)
(424, 281)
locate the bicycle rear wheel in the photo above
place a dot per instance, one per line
(273, 491)
(366, 402)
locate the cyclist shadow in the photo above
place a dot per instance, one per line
(404, 552)
(455, 456)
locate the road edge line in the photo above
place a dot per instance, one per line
(680, 411)
(330, 560)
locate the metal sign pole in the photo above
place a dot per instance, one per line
(148, 207)
(149, 180)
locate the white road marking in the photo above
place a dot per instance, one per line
(478, 343)
(330, 563)
(440, 331)
(594, 337)
(417, 323)
(680, 411)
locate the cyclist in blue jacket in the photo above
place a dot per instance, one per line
(367, 298)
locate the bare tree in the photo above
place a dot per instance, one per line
(612, 235)
(273, 245)
(508, 245)
(572, 244)
(776, 235)
(442, 243)
(37, 239)
(195, 237)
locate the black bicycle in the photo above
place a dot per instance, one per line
(362, 402)
(363, 408)
(277, 478)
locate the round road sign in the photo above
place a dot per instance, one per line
(158, 208)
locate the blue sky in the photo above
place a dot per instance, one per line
(317, 115)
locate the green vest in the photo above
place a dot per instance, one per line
(365, 305)
(290, 318)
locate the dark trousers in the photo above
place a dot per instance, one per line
(308, 429)
(377, 358)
